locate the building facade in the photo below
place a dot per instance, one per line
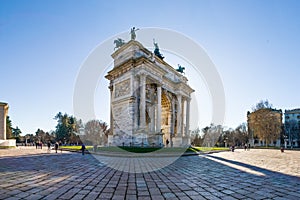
(149, 99)
(3, 114)
(292, 127)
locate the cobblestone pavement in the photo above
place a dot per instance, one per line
(256, 174)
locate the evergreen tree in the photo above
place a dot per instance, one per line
(9, 128)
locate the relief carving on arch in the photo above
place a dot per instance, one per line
(122, 88)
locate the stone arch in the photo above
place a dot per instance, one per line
(166, 113)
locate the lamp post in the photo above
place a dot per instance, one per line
(225, 142)
(285, 141)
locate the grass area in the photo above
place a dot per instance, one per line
(204, 149)
(148, 149)
(7, 147)
(76, 147)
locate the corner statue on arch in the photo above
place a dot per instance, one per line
(149, 99)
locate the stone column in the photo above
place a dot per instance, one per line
(173, 117)
(152, 111)
(3, 115)
(143, 101)
(179, 117)
(182, 118)
(187, 117)
(136, 104)
(111, 110)
(158, 117)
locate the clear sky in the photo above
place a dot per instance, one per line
(255, 46)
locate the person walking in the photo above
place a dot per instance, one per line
(49, 146)
(56, 147)
(167, 142)
(232, 148)
(82, 148)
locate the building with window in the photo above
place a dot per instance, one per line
(292, 127)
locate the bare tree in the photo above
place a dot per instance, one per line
(211, 135)
(266, 123)
(262, 104)
(95, 132)
(196, 137)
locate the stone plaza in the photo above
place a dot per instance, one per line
(29, 173)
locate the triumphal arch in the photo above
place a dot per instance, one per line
(150, 100)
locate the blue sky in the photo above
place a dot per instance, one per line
(254, 45)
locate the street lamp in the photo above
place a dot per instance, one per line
(225, 141)
(285, 141)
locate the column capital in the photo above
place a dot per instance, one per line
(142, 74)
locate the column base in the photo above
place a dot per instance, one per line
(186, 141)
(110, 140)
(140, 138)
(8, 143)
(177, 141)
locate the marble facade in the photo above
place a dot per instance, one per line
(3, 139)
(149, 99)
(3, 115)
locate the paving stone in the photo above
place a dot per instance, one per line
(225, 175)
(13, 198)
(78, 197)
(118, 197)
(34, 197)
(22, 194)
(105, 195)
(14, 192)
(130, 197)
(91, 196)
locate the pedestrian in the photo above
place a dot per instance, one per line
(56, 147)
(60, 144)
(232, 148)
(245, 146)
(41, 144)
(167, 142)
(49, 146)
(36, 145)
(82, 148)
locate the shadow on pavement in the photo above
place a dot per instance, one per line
(65, 175)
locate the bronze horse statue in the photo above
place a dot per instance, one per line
(118, 42)
(180, 69)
